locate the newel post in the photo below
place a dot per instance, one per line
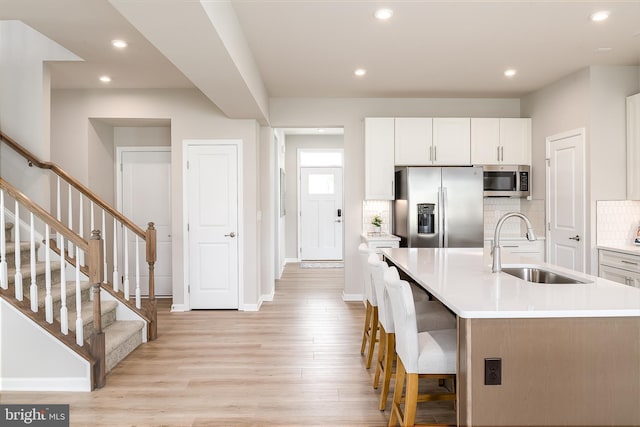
(150, 237)
(97, 337)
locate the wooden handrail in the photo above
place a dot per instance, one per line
(34, 161)
(45, 216)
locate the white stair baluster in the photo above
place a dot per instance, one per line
(64, 312)
(127, 291)
(59, 216)
(70, 219)
(116, 278)
(79, 322)
(33, 289)
(138, 304)
(91, 220)
(18, 255)
(4, 272)
(48, 299)
(104, 247)
(81, 227)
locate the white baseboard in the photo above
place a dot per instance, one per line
(288, 260)
(252, 307)
(268, 297)
(352, 297)
(179, 308)
(45, 384)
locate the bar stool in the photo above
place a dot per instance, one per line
(430, 354)
(430, 315)
(370, 332)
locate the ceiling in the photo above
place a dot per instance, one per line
(253, 50)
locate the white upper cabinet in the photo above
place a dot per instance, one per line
(413, 141)
(424, 141)
(633, 147)
(452, 141)
(497, 141)
(378, 154)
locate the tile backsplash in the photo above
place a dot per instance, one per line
(617, 221)
(376, 207)
(494, 208)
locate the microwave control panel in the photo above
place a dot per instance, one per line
(524, 181)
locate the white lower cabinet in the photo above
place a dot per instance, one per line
(619, 267)
(522, 247)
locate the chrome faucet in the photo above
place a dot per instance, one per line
(495, 250)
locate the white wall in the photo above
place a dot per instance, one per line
(292, 144)
(24, 104)
(280, 153)
(349, 114)
(192, 116)
(22, 366)
(592, 98)
(269, 213)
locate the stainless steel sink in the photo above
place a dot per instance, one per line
(539, 275)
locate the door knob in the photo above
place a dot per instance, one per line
(338, 220)
(577, 238)
(232, 234)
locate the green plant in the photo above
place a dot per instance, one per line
(376, 221)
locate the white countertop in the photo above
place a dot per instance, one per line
(463, 281)
(371, 237)
(629, 249)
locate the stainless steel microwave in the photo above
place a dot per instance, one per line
(507, 180)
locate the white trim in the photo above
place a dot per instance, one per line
(45, 384)
(123, 312)
(581, 132)
(186, 143)
(268, 297)
(288, 260)
(352, 297)
(177, 308)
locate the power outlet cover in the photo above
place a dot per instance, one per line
(493, 371)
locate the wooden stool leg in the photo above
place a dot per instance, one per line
(387, 368)
(396, 410)
(367, 326)
(410, 400)
(373, 336)
(381, 347)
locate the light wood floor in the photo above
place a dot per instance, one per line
(296, 362)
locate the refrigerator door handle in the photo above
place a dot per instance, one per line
(440, 230)
(445, 228)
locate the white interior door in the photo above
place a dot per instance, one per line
(321, 219)
(212, 186)
(145, 196)
(565, 200)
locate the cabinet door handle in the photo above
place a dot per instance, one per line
(435, 154)
(624, 261)
(498, 152)
(502, 154)
(430, 153)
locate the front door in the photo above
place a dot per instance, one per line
(321, 218)
(145, 175)
(565, 200)
(212, 193)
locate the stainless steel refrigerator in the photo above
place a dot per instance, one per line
(439, 207)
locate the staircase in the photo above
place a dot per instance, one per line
(121, 336)
(38, 317)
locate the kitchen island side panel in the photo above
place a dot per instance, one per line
(555, 371)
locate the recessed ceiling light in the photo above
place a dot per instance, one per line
(360, 72)
(105, 79)
(600, 15)
(510, 72)
(320, 130)
(120, 44)
(604, 49)
(383, 14)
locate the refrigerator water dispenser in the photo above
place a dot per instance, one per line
(426, 215)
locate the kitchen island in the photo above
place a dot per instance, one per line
(569, 353)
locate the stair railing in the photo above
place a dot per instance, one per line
(42, 223)
(117, 232)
